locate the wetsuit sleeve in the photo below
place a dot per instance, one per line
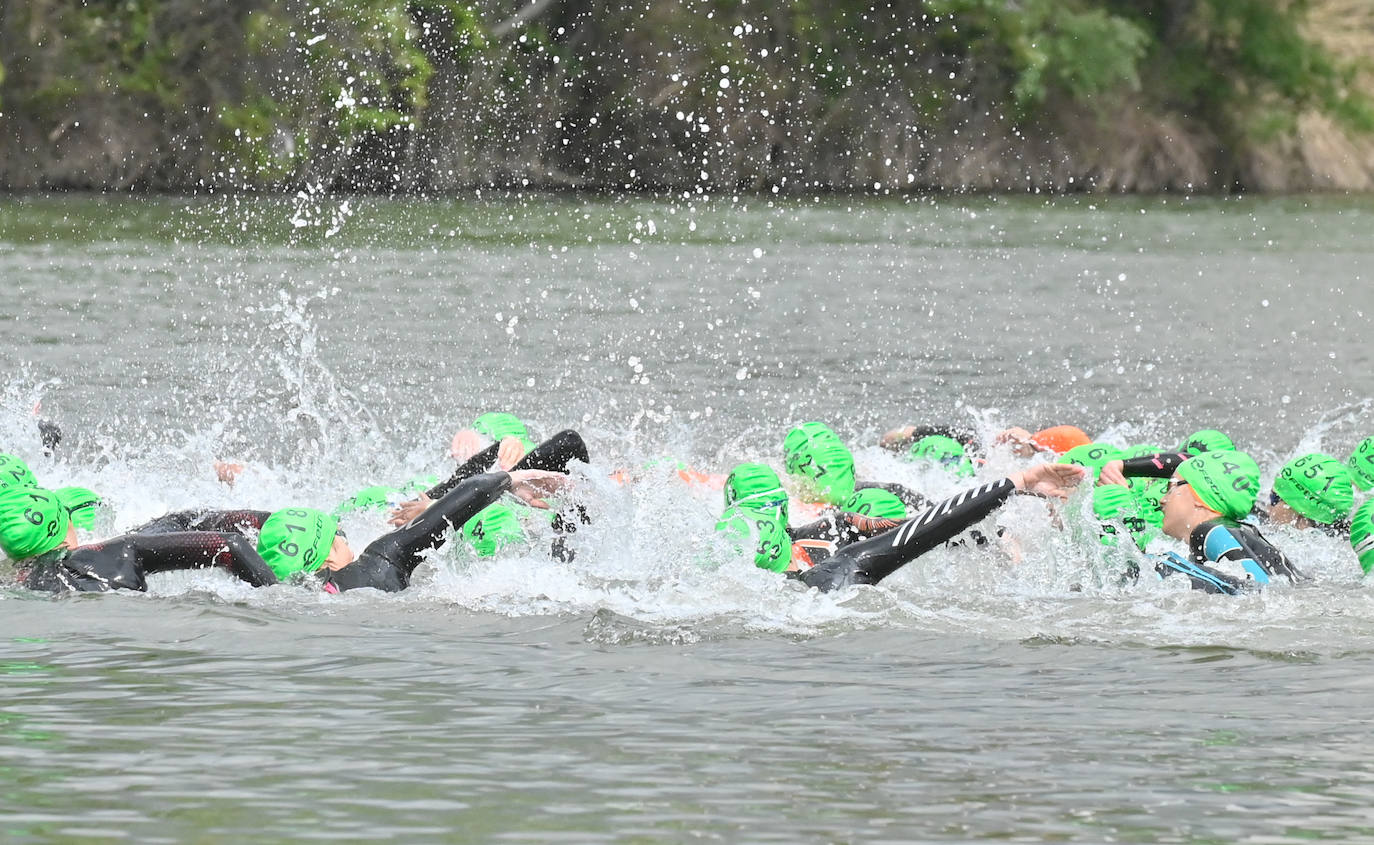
(872, 560)
(169, 522)
(387, 562)
(476, 465)
(913, 500)
(200, 550)
(554, 454)
(868, 526)
(230, 522)
(49, 434)
(825, 528)
(1161, 465)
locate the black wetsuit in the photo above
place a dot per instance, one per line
(835, 530)
(1226, 556)
(123, 562)
(872, 560)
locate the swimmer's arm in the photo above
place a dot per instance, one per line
(201, 550)
(884, 554)
(230, 522)
(1161, 465)
(476, 465)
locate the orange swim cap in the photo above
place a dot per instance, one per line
(1060, 438)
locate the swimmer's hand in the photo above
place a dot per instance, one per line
(1053, 481)
(532, 485)
(1020, 441)
(509, 453)
(228, 472)
(1112, 474)
(466, 443)
(897, 438)
(406, 511)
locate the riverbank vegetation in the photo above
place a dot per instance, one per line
(687, 95)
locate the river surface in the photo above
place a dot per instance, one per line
(656, 689)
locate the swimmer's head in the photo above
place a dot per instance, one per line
(498, 426)
(1361, 464)
(494, 528)
(944, 451)
(755, 485)
(1223, 481)
(1094, 456)
(15, 473)
(81, 504)
(1316, 486)
(296, 540)
(875, 502)
(1060, 438)
(32, 521)
(827, 473)
(761, 533)
(1207, 440)
(1362, 534)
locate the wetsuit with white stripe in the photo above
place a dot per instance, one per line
(872, 560)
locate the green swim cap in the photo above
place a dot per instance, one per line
(15, 473)
(1207, 440)
(802, 441)
(1094, 456)
(80, 503)
(1361, 464)
(32, 521)
(755, 485)
(1227, 482)
(1362, 535)
(296, 540)
(1113, 503)
(1149, 494)
(875, 502)
(376, 497)
(498, 426)
(828, 470)
(1316, 486)
(945, 451)
(761, 531)
(494, 528)
(420, 484)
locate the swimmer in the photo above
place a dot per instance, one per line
(1313, 491)
(1206, 497)
(38, 534)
